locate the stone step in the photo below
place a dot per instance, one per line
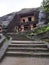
(12, 53)
(27, 42)
(28, 45)
(28, 49)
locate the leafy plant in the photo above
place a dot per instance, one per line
(40, 30)
(45, 5)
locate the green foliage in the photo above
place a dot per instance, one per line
(45, 5)
(40, 30)
(47, 29)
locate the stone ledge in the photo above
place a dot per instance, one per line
(1, 41)
(4, 48)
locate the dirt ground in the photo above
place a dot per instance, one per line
(24, 61)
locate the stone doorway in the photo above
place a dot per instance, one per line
(26, 27)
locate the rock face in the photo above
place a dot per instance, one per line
(42, 18)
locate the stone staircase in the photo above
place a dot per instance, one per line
(27, 48)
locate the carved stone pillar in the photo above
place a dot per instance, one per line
(22, 28)
(16, 29)
(0, 29)
(31, 27)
